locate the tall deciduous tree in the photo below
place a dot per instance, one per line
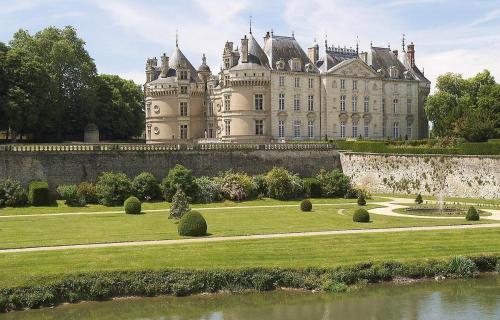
(4, 124)
(467, 108)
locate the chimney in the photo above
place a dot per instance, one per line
(410, 52)
(395, 52)
(364, 56)
(164, 66)
(266, 37)
(244, 49)
(313, 53)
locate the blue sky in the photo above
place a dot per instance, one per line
(458, 36)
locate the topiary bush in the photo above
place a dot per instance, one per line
(146, 187)
(69, 193)
(361, 215)
(361, 199)
(113, 188)
(418, 199)
(38, 193)
(192, 224)
(306, 205)
(180, 205)
(178, 176)
(12, 194)
(87, 192)
(472, 214)
(334, 183)
(312, 187)
(207, 190)
(132, 205)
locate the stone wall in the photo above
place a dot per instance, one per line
(454, 176)
(73, 167)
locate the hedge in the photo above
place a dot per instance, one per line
(38, 193)
(107, 285)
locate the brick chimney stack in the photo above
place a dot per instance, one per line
(244, 49)
(313, 53)
(410, 52)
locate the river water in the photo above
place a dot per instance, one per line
(476, 299)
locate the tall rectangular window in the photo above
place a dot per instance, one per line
(259, 101)
(354, 104)
(297, 82)
(281, 129)
(395, 130)
(383, 105)
(227, 125)
(395, 105)
(367, 104)
(259, 127)
(184, 89)
(354, 84)
(184, 109)
(383, 129)
(354, 129)
(184, 131)
(148, 110)
(408, 129)
(183, 75)
(281, 102)
(342, 129)
(342, 103)
(282, 81)
(342, 83)
(366, 129)
(310, 103)
(408, 106)
(310, 129)
(296, 129)
(227, 102)
(296, 102)
(211, 130)
(311, 81)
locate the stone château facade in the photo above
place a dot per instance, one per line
(278, 92)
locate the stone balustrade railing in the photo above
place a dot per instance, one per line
(162, 147)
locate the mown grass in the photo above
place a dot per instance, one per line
(448, 200)
(23, 231)
(33, 268)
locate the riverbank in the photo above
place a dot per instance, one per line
(98, 286)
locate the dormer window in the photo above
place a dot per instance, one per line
(393, 72)
(309, 67)
(183, 75)
(295, 64)
(280, 65)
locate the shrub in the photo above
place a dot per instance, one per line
(132, 205)
(361, 215)
(12, 194)
(306, 205)
(462, 266)
(361, 199)
(472, 214)
(279, 184)
(146, 187)
(180, 205)
(297, 187)
(38, 193)
(260, 185)
(112, 188)
(334, 183)
(68, 192)
(236, 186)
(192, 224)
(87, 192)
(178, 176)
(207, 190)
(418, 199)
(312, 187)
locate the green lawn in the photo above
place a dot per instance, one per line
(21, 231)
(449, 200)
(437, 213)
(324, 251)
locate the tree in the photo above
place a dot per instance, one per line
(72, 73)
(4, 123)
(418, 199)
(178, 177)
(120, 103)
(180, 204)
(465, 108)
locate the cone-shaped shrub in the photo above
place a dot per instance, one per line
(132, 205)
(472, 214)
(192, 224)
(418, 199)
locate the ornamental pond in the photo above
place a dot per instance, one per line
(477, 298)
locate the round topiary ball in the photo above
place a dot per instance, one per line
(472, 214)
(192, 224)
(361, 200)
(132, 205)
(306, 205)
(361, 215)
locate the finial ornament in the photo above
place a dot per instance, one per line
(389, 45)
(176, 38)
(403, 42)
(357, 45)
(204, 59)
(326, 41)
(293, 34)
(371, 44)
(250, 24)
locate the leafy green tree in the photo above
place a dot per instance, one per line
(178, 177)
(4, 126)
(180, 204)
(120, 104)
(465, 108)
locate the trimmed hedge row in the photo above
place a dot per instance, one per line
(106, 285)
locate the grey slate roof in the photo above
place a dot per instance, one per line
(178, 60)
(256, 56)
(384, 58)
(286, 48)
(333, 56)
